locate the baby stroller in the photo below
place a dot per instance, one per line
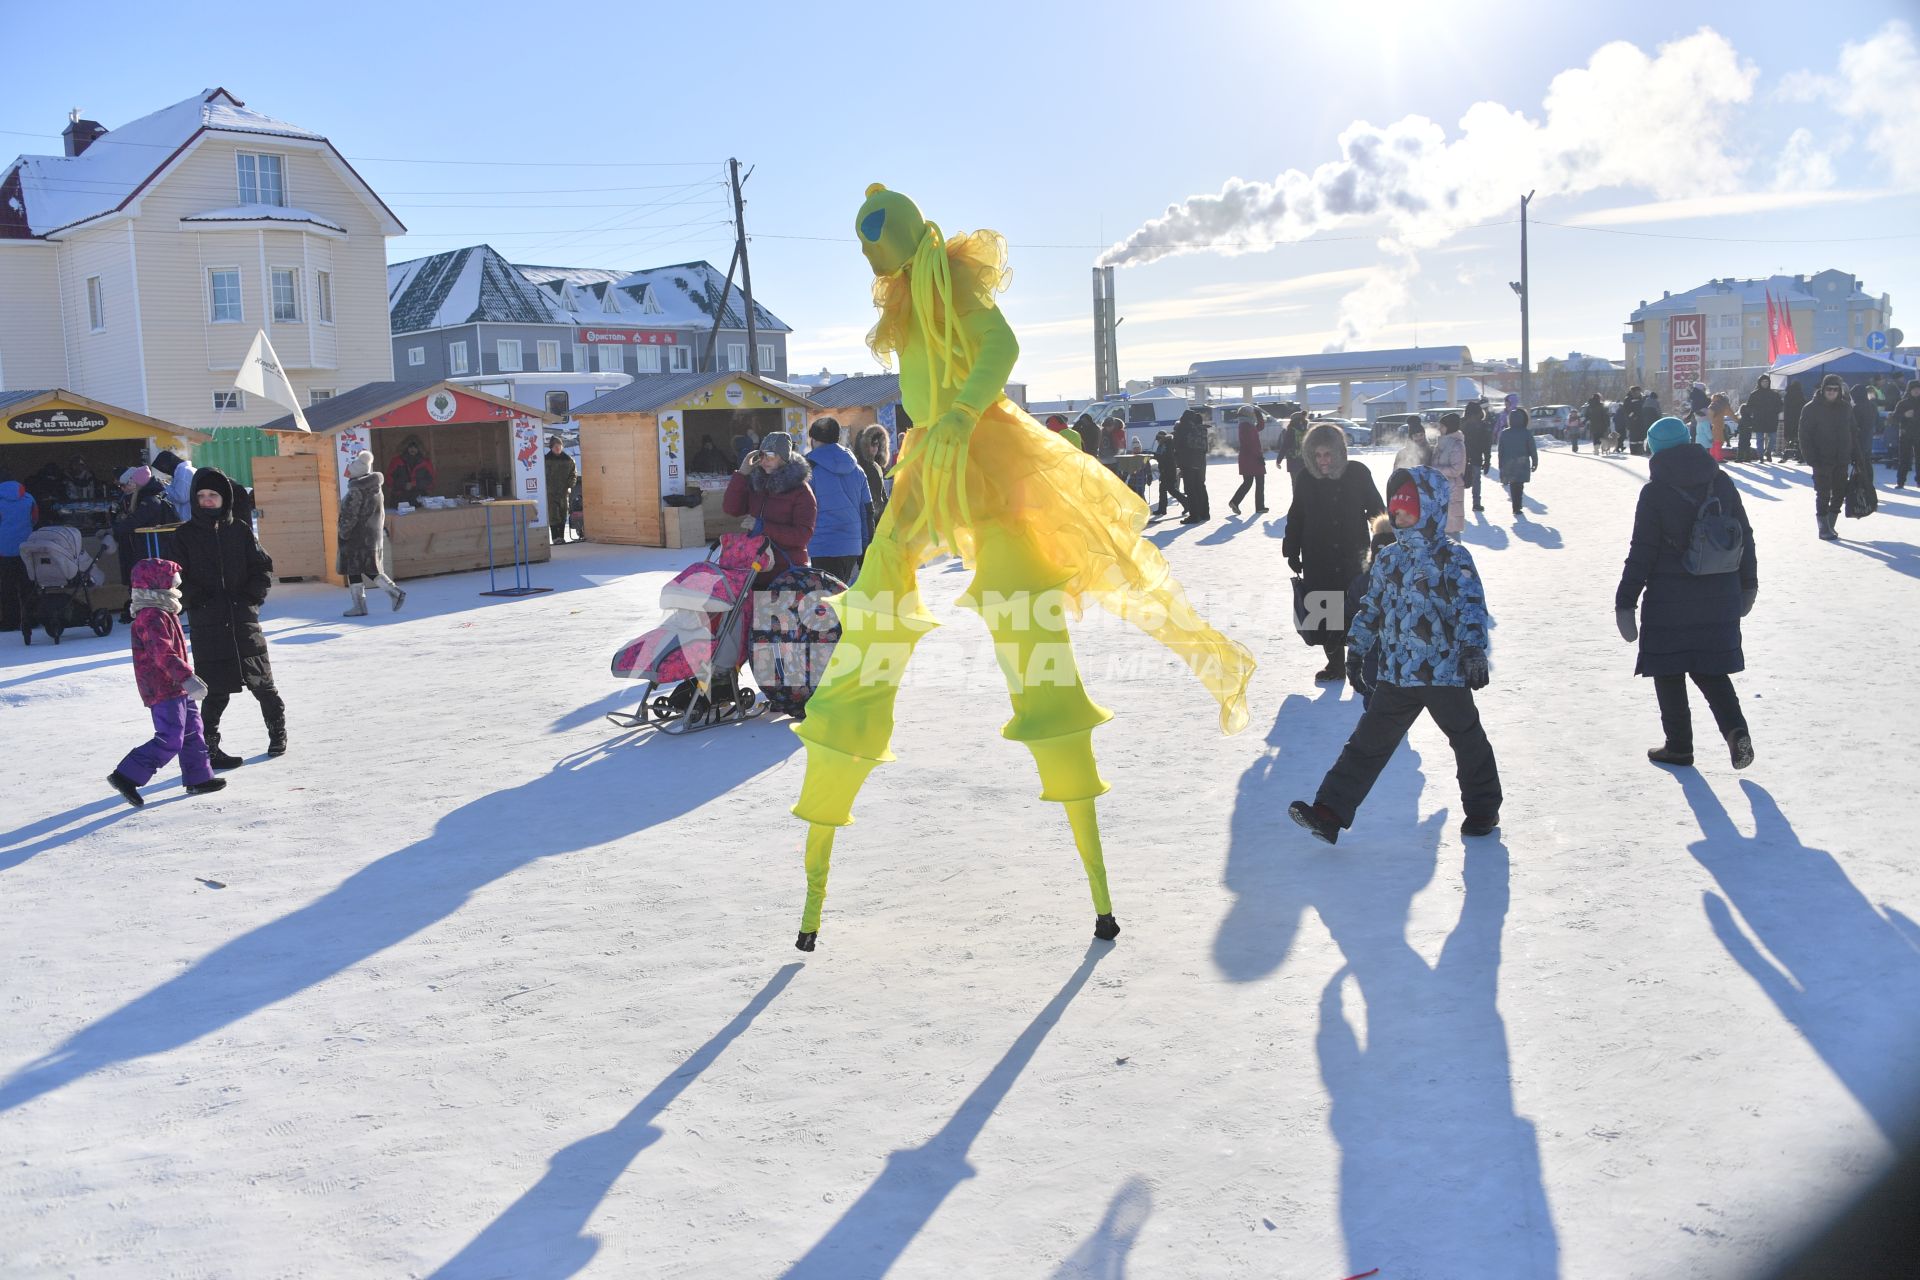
(700, 646)
(63, 575)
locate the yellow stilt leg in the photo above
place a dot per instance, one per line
(819, 854)
(1086, 837)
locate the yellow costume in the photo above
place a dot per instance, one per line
(1043, 526)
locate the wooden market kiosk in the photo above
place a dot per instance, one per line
(861, 401)
(635, 444)
(482, 449)
(59, 427)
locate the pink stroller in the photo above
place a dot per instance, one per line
(701, 645)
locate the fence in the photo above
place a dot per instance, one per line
(233, 450)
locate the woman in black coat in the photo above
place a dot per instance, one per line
(224, 579)
(1329, 533)
(1689, 623)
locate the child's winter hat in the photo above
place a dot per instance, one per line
(778, 443)
(1513, 401)
(360, 465)
(1406, 498)
(136, 477)
(1666, 433)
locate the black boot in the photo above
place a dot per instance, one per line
(1323, 822)
(1740, 748)
(218, 758)
(1670, 755)
(277, 737)
(124, 785)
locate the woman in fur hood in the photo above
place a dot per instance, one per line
(363, 521)
(1329, 532)
(771, 486)
(871, 448)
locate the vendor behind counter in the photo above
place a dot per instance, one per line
(463, 463)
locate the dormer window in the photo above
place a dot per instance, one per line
(262, 179)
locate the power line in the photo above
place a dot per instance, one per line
(107, 139)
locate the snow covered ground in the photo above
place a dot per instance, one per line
(472, 984)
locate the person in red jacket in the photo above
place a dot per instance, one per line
(1253, 461)
(771, 486)
(167, 685)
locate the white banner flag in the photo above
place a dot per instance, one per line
(261, 374)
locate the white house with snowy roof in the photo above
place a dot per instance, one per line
(470, 314)
(137, 267)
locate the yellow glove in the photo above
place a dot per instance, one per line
(943, 471)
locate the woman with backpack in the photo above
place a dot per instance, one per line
(1692, 572)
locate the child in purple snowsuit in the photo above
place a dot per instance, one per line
(167, 685)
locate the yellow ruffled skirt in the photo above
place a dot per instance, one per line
(1046, 530)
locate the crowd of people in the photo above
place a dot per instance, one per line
(1381, 583)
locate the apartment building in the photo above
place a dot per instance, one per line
(1826, 309)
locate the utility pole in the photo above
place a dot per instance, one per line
(746, 272)
(1526, 347)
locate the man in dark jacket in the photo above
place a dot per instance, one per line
(1165, 465)
(1689, 624)
(1906, 419)
(1792, 402)
(1827, 445)
(561, 473)
(224, 579)
(1479, 433)
(1190, 451)
(1759, 416)
(1866, 421)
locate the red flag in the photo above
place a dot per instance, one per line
(1789, 346)
(1780, 339)
(1773, 332)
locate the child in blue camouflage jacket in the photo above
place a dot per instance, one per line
(1422, 629)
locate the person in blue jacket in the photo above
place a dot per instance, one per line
(841, 527)
(1519, 455)
(1422, 630)
(179, 474)
(19, 516)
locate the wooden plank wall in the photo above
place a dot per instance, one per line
(294, 526)
(620, 480)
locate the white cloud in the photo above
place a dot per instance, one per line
(1726, 206)
(1803, 164)
(1660, 122)
(1879, 86)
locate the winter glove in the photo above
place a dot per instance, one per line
(1473, 666)
(1747, 597)
(194, 687)
(1357, 671)
(1623, 618)
(1293, 562)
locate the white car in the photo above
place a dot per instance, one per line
(1554, 419)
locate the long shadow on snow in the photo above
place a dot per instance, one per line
(877, 1228)
(22, 843)
(1424, 1113)
(1837, 966)
(589, 799)
(1103, 1255)
(1901, 557)
(1544, 536)
(542, 1235)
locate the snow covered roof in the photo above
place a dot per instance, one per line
(371, 399)
(644, 395)
(1789, 289)
(1324, 364)
(40, 195)
(264, 213)
(864, 389)
(462, 286)
(688, 294)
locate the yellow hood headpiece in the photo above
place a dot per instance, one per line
(890, 229)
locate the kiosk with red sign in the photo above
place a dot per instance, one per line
(479, 449)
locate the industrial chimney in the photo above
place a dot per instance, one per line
(1106, 349)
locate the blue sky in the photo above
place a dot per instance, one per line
(1070, 126)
